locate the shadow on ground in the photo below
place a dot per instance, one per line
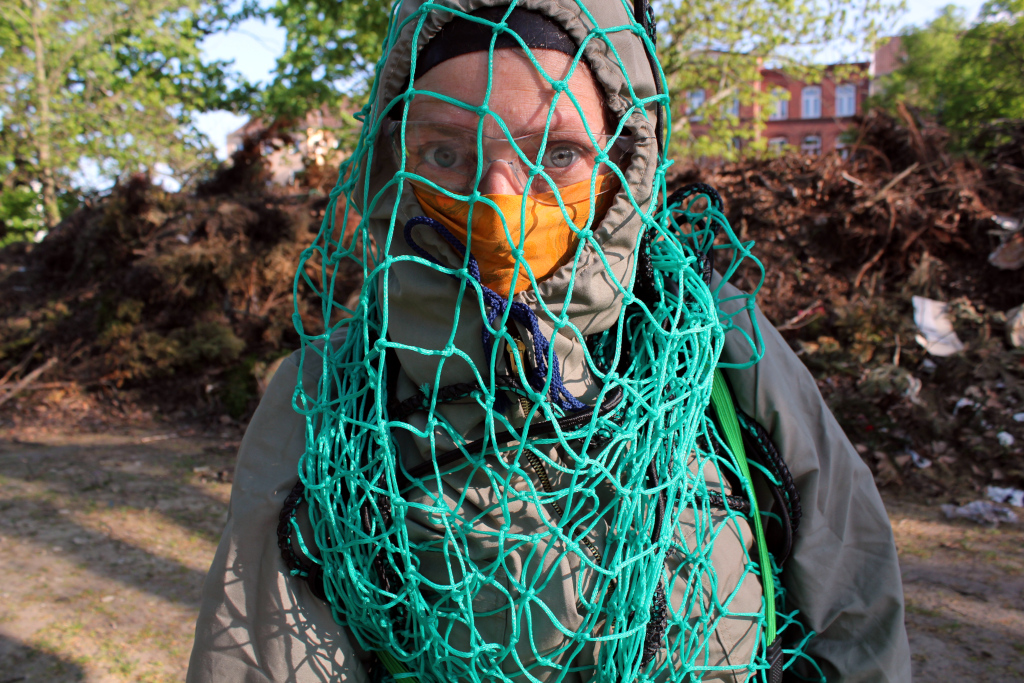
(85, 503)
(23, 663)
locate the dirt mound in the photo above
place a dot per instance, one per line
(846, 245)
(179, 299)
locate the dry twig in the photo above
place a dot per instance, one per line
(28, 379)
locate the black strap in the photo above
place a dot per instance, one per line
(308, 571)
(775, 661)
(762, 446)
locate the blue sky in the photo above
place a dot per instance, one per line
(254, 46)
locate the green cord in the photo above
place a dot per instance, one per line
(721, 399)
(396, 668)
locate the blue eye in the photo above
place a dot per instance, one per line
(562, 156)
(443, 157)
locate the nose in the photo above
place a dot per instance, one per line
(500, 178)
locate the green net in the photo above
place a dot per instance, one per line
(502, 527)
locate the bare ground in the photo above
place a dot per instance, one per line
(105, 539)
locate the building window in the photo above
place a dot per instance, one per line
(811, 102)
(780, 106)
(846, 100)
(695, 100)
(734, 107)
(811, 145)
(777, 144)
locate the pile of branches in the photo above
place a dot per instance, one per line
(182, 298)
(867, 222)
(187, 298)
(846, 244)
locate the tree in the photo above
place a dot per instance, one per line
(330, 52)
(109, 85)
(720, 46)
(967, 76)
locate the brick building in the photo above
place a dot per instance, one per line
(814, 115)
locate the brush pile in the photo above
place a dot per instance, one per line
(183, 301)
(847, 244)
(173, 299)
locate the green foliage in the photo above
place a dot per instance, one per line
(21, 214)
(208, 342)
(143, 353)
(720, 46)
(110, 85)
(330, 50)
(930, 53)
(968, 76)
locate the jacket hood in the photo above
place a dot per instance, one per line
(423, 304)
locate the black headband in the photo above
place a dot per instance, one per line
(461, 36)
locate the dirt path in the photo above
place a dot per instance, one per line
(964, 586)
(104, 542)
(103, 547)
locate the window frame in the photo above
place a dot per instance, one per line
(846, 92)
(780, 106)
(734, 107)
(815, 92)
(813, 151)
(691, 108)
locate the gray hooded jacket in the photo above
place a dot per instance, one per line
(257, 623)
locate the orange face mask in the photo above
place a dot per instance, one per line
(548, 244)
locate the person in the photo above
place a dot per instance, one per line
(499, 465)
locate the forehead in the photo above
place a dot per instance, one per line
(519, 93)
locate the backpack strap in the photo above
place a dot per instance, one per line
(721, 400)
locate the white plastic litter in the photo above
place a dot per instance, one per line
(919, 460)
(913, 390)
(999, 494)
(961, 404)
(1005, 439)
(982, 512)
(1007, 223)
(1015, 327)
(1018, 417)
(937, 335)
